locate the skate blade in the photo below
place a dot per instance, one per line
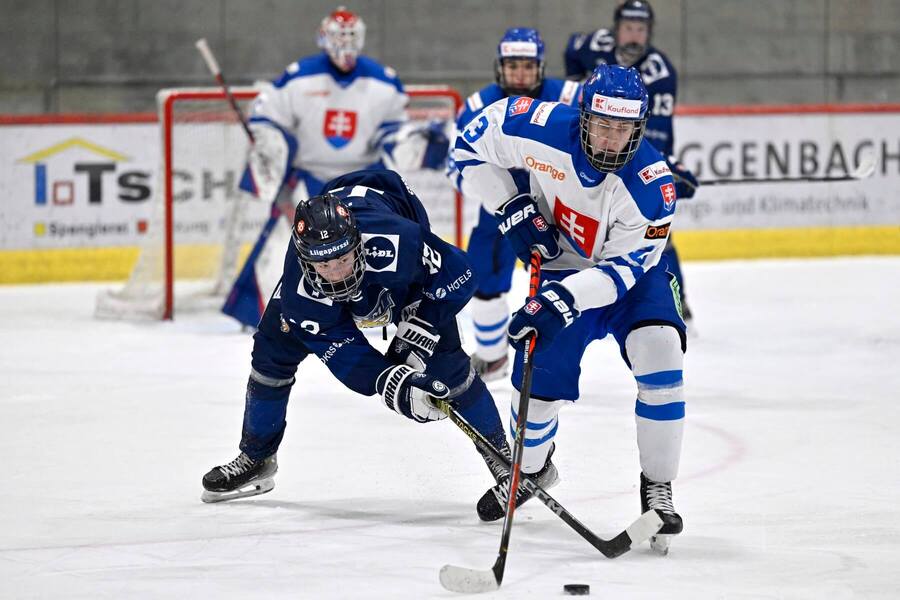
(254, 488)
(660, 544)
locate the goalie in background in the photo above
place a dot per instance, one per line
(362, 254)
(328, 114)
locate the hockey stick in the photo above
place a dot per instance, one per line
(863, 170)
(213, 66)
(636, 533)
(461, 579)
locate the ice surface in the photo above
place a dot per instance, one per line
(789, 485)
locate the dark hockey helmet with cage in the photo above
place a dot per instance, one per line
(520, 42)
(633, 10)
(613, 93)
(325, 229)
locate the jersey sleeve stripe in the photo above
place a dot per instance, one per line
(463, 164)
(475, 103)
(636, 271)
(462, 144)
(610, 272)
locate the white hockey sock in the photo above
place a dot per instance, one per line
(491, 317)
(539, 430)
(657, 363)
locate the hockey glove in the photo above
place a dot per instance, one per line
(685, 182)
(408, 392)
(546, 314)
(525, 227)
(416, 339)
(438, 146)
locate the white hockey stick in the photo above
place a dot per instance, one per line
(213, 66)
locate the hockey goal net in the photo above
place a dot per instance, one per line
(202, 225)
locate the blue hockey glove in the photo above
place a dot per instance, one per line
(552, 310)
(438, 146)
(408, 392)
(685, 182)
(525, 227)
(416, 338)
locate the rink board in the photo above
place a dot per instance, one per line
(77, 189)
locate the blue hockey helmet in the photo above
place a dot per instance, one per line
(523, 43)
(325, 230)
(613, 107)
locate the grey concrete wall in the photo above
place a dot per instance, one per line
(112, 55)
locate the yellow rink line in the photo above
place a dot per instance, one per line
(194, 261)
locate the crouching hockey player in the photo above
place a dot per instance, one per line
(362, 255)
(600, 217)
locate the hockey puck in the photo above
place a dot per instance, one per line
(577, 589)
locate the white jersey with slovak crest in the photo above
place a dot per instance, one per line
(613, 226)
(338, 120)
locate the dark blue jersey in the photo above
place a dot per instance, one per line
(409, 270)
(585, 51)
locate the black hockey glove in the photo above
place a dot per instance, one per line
(685, 183)
(409, 392)
(414, 343)
(526, 228)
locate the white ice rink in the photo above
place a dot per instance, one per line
(789, 487)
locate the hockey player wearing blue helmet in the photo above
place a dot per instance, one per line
(519, 71)
(600, 207)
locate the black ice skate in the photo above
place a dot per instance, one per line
(492, 505)
(658, 496)
(240, 478)
(490, 370)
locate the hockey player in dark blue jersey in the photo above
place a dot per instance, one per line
(519, 68)
(628, 44)
(362, 255)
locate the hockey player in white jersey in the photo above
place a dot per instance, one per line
(328, 114)
(628, 44)
(601, 205)
(519, 68)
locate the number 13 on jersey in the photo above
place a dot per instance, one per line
(475, 129)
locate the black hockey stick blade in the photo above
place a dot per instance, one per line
(636, 533)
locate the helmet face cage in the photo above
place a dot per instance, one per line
(607, 161)
(521, 43)
(633, 10)
(612, 97)
(325, 229)
(342, 36)
(338, 291)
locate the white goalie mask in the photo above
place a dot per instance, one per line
(342, 35)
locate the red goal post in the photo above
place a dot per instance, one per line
(202, 225)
